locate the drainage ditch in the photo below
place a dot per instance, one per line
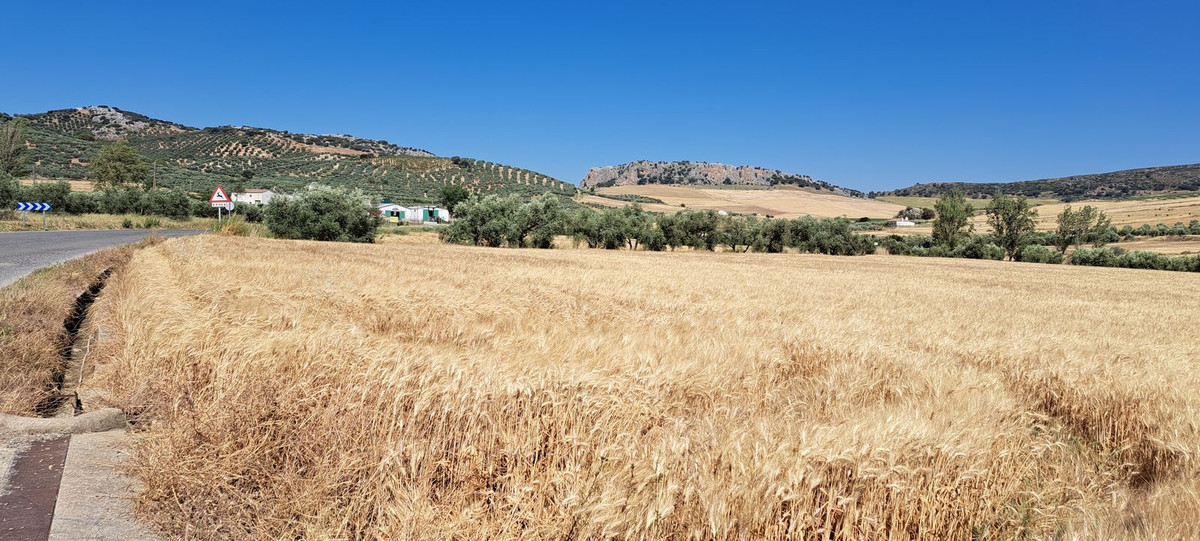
(57, 401)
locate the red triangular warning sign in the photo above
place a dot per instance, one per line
(219, 196)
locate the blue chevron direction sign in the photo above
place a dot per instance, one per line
(33, 206)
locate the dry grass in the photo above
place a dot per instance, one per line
(55, 222)
(32, 311)
(784, 202)
(1185, 245)
(1134, 212)
(416, 390)
(76, 185)
(929, 202)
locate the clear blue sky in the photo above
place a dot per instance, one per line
(872, 95)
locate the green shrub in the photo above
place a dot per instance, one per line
(249, 212)
(322, 213)
(978, 247)
(82, 203)
(55, 193)
(171, 203)
(488, 221)
(150, 223)
(121, 200)
(1105, 257)
(9, 189)
(1035, 253)
(127, 223)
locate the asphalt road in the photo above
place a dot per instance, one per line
(23, 252)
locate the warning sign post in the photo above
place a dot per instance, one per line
(221, 200)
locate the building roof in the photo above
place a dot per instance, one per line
(255, 190)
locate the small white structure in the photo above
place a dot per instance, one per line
(254, 196)
(429, 214)
(723, 212)
(904, 223)
(395, 213)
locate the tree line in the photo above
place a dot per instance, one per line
(1013, 236)
(506, 221)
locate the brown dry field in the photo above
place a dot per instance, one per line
(783, 202)
(1128, 212)
(76, 185)
(291, 389)
(1123, 212)
(1164, 245)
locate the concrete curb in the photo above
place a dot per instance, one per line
(96, 421)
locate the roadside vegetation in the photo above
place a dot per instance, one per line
(32, 337)
(594, 394)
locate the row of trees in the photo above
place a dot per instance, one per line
(1115, 257)
(1160, 230)
(506, 221)
(130, 199)
(1011, 220)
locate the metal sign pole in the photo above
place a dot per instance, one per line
(43, 219)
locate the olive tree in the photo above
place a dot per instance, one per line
(322, 213)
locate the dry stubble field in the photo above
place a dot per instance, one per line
(297, 389)
(783, 202)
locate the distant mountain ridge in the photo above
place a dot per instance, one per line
(62, 143)
(1126, 183)
(685, 172)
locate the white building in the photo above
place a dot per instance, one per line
(254, 196)
(429, 214)
(395, 213)
(904, 223)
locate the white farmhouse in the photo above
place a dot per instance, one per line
(254, 196)
(395, 213)
(429, 214)
(904, 223)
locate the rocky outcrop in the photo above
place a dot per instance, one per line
(646, 172)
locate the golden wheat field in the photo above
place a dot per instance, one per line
(783, 202)
(416, 390)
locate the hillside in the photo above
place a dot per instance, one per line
(646, 172)
(62, 143)
(780, 201)
(1128, 183)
